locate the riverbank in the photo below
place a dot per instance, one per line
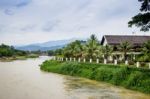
(12, 58)
(130, 78)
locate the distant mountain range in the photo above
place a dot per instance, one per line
(50, 45)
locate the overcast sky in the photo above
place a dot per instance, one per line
(33, 21)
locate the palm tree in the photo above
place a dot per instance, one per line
(107, 50)
(125, 47)
(92, 47)
(73, 49)
(146, 51)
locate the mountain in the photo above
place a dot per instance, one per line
(50, 45)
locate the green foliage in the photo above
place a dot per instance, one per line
(8, 51)
(124, 47)
(132, 78)
(92, 48)
(145, 56)
(145, 5)
(142, 19)
(120, 75)
(51, 53)
(82, 49)
(103, 74)
(50, 66)
(70, 68)
(107, 50)
(58, 52)
(73, 49)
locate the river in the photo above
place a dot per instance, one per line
(23, 79)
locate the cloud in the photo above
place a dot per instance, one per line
(50, 25)
(9, 11)
(10, 6)
(28, 27)
(23, 3)
(13, 3)
(43, 20)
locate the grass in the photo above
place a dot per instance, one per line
(131, 78)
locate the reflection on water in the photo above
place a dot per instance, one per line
(22, 79)
(79, 88)
(82, 88)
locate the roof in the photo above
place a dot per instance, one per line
(132, 39)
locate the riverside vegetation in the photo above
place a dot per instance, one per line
(130, 78)
(127, 76)
(8, 53)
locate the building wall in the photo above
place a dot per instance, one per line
(105, 42)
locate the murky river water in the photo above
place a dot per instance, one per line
(22, 79)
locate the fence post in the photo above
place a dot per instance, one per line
(115, 62)
(54, 58)
(149, 65)
(90, 60)
(97, 61)
(74, 59)
(105, 61)
(62, 59)
(137, 64)
(70, 59)
(126, 62)
(79, 60)
(66, 59)
(84, 60)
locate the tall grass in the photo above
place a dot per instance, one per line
(131, 78)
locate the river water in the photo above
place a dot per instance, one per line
(23, 79)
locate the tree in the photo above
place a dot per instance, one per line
(125, 47)
(142, 19)
(50, 53)
(73, 49)
(58, 52)
(92, 47)
(107, 50)
(146, 52)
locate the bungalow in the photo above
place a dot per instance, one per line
(115, 40)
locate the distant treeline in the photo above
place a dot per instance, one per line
(8, 51)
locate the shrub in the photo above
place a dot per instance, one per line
(143, 64)
(103, 74)
(145, 86)
(120, 75)
(131, 62)
(70, 68)
(134, 79)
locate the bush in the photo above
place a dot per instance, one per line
(143, 64)
(120, 75)
(70, 68)
(145, 86)
(103, 74)
(134, 79)
(131, 62)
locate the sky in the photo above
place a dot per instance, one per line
(34, 21)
